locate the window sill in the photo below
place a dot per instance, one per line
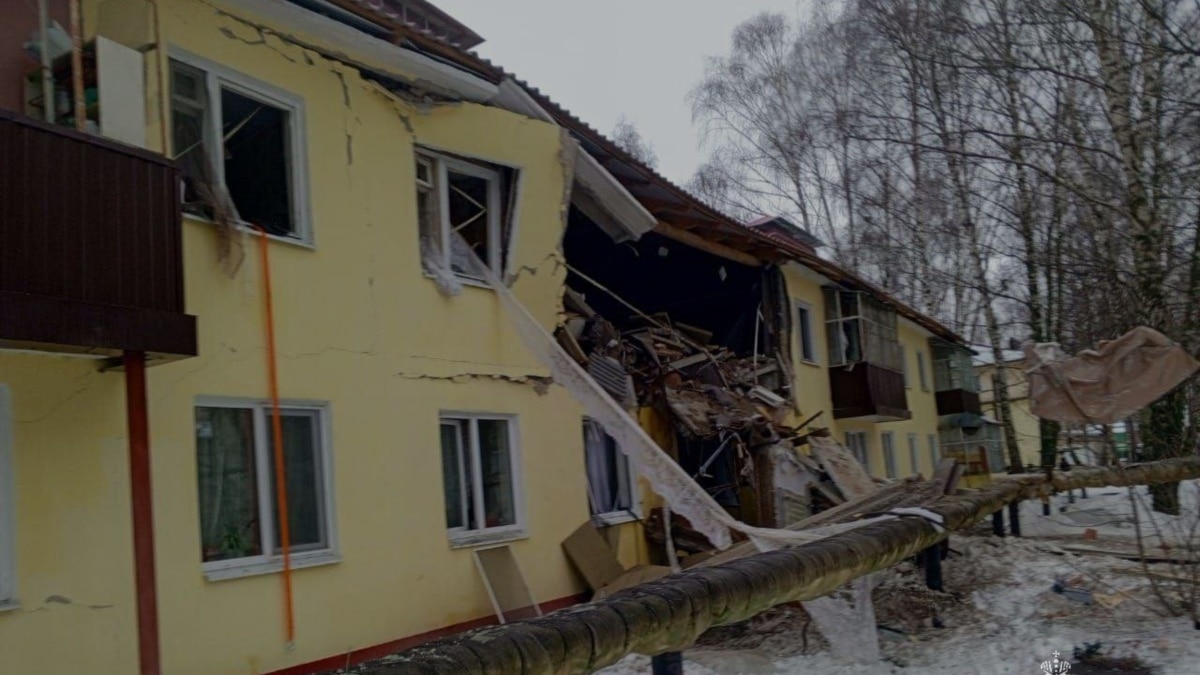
(810, 362)
(614, 518)
(465, 281)
(473, 539)
(247, 230)
(9, 605)
(299, 561)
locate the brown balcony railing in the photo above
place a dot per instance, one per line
(865, 390)
(958, 401)
(90, 245)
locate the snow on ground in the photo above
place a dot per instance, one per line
(1001, 616)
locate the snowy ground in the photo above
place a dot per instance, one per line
(1000, 613)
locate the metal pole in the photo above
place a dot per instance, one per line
(670, 663)
(141, 498)
(998, 523)
(1014, 518)
(77, 66)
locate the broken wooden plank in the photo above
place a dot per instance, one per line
(688, 361)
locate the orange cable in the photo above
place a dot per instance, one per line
(281, 500)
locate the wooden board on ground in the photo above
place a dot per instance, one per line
(506, 585)
(846, 471)
(598, 564)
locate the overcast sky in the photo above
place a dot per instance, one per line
(602, 59)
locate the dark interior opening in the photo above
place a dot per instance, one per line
(257, 171)
(657, 274)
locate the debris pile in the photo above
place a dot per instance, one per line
(707, 388)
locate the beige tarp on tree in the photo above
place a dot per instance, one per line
(1108, 384)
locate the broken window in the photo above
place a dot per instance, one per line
(235, 461)
(610, 482)
(804, 327)
(7, 537)
(860, 328)
(461, 209)
(238, 138)
(479, 476)
(889, 453)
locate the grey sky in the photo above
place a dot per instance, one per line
(604, 59)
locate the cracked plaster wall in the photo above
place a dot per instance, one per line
(358, 325)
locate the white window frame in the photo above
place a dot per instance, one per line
(8, 572)
(442, 165)
(859, 445)
(629, 479)
(267, 563)
(805, 309)
(924, 379)
(887, 440)
(217, 77)
(463, 537)
(914, 452)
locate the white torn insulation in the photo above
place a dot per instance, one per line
(847, 620)
(434, 263)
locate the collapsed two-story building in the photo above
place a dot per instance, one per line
(232, 287)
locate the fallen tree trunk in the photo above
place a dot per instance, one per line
(670, 614)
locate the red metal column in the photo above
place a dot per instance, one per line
(138, 421)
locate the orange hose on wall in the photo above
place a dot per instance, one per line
(281, 500)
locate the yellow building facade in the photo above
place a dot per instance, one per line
(372, 360)
(417, 426)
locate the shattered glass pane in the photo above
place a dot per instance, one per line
(470, 217)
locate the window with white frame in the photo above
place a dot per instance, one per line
(610, 477)
(914, 465)
(240, 524)
(240, 145)
(933, 451)
(856, 441)
(480, 476)
(8, 584)
(804, 328)
(924, 379)
(889, 453)
(462, 209)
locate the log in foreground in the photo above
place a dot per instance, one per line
(670, 614)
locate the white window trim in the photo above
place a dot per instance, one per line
(866, 447)
(218, 570)
(914, 453)
(441, 165)
(922, 362)
(8, 576)
(812, 336)
(217, 76)
(515, 195)
(887, 442)
(461, 537)
(629, 515)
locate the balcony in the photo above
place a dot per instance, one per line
(868, 392)
(954, 382)
(91, 254)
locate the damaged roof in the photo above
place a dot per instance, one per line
(685, 215)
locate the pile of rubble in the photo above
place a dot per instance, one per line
(707, 388)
